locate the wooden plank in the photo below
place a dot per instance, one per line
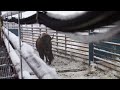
(74, 55)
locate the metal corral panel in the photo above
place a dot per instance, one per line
(7, 70)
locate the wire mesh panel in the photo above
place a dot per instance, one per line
(7, 70)
(4, 57)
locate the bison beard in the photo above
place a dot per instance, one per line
(44, 47)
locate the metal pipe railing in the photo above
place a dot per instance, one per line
(39, 67)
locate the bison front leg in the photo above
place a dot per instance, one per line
(49, 62)
(46, 59)
(41, 54)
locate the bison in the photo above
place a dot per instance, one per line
(44, 47)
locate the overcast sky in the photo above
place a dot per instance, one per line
(64, 13)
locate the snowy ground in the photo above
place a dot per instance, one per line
(70, 69)
(76, 69)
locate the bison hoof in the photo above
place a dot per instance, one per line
(49, 63)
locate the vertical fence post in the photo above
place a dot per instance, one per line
(32, 35)
(91, 54)
(40, 29)
(22, 34)
(19, 34)
(65, 45)
(57, 40)
(8, 33)
(21, 28)
(46, 30)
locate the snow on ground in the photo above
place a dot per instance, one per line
(70, 69)
(76, 69)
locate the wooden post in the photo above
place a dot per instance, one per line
(40, 29)
(32, 35)
(65, 45)
(46, 30)
(57, 40)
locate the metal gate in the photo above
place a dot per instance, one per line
(106, 53)
(7, 70)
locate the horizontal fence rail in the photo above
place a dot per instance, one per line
(107, 53)
(61, 44)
